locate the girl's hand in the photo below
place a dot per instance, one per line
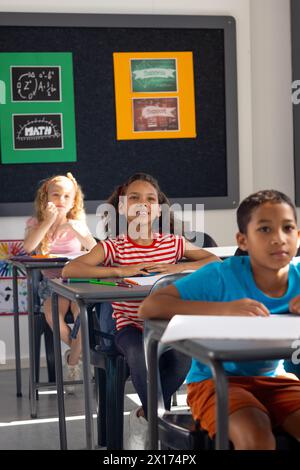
(133, 270)
(294, 305)
(51, 213)
(164, 268)
(244, 307)
(79, 227)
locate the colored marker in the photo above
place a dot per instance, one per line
(110, 283)
(134, 283)
(72, 280)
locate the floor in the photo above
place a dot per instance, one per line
(19, 431)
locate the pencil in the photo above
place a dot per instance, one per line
(134, 283)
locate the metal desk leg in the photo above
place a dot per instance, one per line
(32, 381)
(151, 356)
(88, 394)
(221, 384)
(59, 373)
(17, 331)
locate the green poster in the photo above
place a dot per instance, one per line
(153, 75)
(37, 118)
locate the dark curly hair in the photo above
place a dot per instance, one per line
(122, 189)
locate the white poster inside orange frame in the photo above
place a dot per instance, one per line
(154, 93)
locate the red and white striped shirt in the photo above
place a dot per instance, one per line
(122, 251)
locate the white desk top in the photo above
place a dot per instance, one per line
(222, 251)
(274, 327)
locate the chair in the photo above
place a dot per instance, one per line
(207, 240)
(178, 430)
(41, 327)
(111, 373)
(240, 252)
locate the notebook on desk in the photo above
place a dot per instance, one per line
(279, 327)
(55, 257)
(27, 258)
(145, 280)
(150, 280)
(70, 255)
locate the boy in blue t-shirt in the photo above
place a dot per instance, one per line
(263, 283)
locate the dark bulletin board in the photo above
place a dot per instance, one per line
(196, 170)
(295, 21)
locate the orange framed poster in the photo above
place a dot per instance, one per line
(154, 95)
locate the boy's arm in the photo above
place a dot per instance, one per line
(294, 305)
(167, 302)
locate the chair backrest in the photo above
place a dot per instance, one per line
(36, 278)
(240, 252)
(166, 280)
(103, 329)
(207, 240)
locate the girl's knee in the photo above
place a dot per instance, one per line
(48, 318)
(74, 309)
(47, 310)
(129, 342)
(135, 356)
(63, 304)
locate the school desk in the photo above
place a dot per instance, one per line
(212, 353)
(27, 266)
(83, 294)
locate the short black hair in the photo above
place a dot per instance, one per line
(255, 200)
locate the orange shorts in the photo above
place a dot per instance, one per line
(276, 396)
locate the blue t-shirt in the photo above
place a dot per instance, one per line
(228, 281)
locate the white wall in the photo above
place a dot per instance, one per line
(220, 224)
(264, 80)
(271, 95)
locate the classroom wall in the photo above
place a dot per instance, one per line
(271, 75)
(265, 109)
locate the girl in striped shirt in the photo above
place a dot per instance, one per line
(140, 251)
